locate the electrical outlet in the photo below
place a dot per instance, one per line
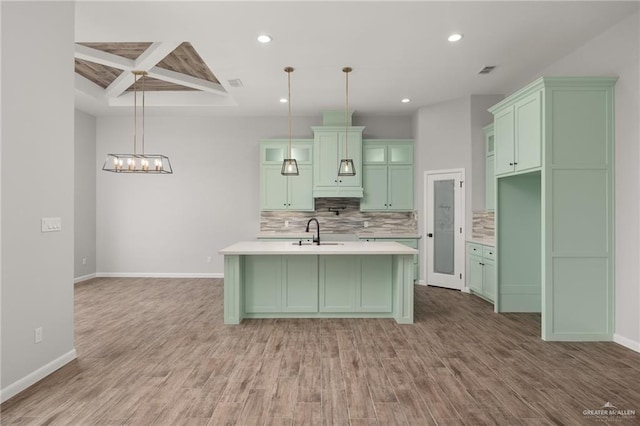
(366, 224)
(208, 259)
(84, 260)
(286, 223)
(38, 334)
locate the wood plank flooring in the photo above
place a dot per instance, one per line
(155, 351)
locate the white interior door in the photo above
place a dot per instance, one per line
(444, 228)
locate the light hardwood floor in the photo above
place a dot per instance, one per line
(155, 351)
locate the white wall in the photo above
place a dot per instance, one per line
(171, 224)
(616, 52)
(84, 196)
(449, 136)
(480, 117)
(37, 181)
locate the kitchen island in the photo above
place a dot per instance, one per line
(351, 279)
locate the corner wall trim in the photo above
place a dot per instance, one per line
(32, 378)
(160, 275)
(84, 278)
(626, 342)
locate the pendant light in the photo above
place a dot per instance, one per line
(289, 165)
(346, 167)
(143, 162)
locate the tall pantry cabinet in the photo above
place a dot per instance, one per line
(554, 205)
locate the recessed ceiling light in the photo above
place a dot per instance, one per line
(283, 100)
(405, 100)
(455, 37)
(264, 38)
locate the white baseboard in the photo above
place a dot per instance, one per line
(42, 372)
(627, 343)
(421, 282)
(84, 278)
(160, 275)
(465, 290)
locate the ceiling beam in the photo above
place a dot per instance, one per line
(187, 80)
(147, 60)
(154, 54)
(119, 85)
(99, 57)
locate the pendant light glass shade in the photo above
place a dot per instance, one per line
(346, 167)
(138, 162)
(289, 165)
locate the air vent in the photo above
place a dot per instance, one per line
(487, 69)
(236, 82)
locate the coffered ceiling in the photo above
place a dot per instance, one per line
(194, 51)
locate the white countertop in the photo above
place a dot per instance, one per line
(483, 241)
(383, 234)
(287, 247)
(363, 234)
(294, 235)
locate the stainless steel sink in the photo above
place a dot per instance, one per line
(308, 243)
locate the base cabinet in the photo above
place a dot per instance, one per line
(481, 270)
(361, 286)
(299, 284)
(409, 242)
(312, 284)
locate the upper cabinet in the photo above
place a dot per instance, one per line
(330, 145)
(279, 192)
(387, 175)
(490, 172)
(518, 134)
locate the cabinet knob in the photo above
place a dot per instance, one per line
(336, 180)
(511, 164)
(430, 235)
(514, 163)
(340, 180)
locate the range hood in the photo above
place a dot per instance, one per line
(338, 192)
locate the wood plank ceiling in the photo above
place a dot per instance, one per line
(183, 60)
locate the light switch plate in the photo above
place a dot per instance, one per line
(51, 224)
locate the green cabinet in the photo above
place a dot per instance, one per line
(363, 285)
(555, 209)
(409, 242)
(300, 284)
(330, 145)
(481, 270)
(279, 192)
(281, 284)
(518, 136)
(312, 284)
(387, 175)
(490, 173)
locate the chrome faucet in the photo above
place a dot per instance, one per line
(316, 240)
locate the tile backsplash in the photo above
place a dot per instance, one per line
(484, 225)
(349, 221)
